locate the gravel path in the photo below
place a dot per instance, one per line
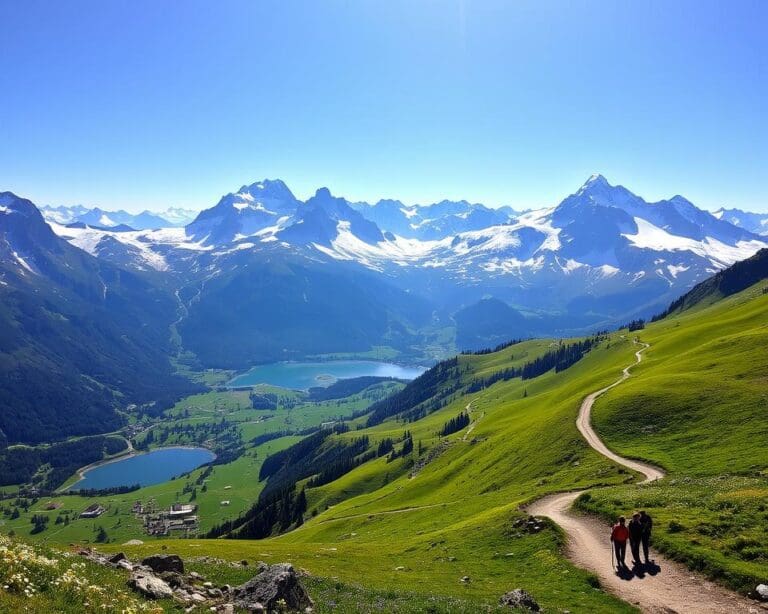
(669, 587)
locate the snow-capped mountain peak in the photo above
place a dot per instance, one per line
(600, 241)
(250, 210)
(595, 180)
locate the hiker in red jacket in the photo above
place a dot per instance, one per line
(619, 537)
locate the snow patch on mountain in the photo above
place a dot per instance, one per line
(147, 242)
(397, 250)
(675, 270)
(652, 237)
(718, 253)
(24, 264)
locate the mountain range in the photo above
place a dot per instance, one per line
(172, 217)
(754, 222)
(263, 276)
(601, 255)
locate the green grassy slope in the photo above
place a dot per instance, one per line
(700, 389)
(697, 406)
(457, 516)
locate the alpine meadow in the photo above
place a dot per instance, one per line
(483, 329)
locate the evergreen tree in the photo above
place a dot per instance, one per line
(101, 536)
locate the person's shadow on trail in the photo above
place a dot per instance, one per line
(625, 573)
(651, 568)
(638, 570)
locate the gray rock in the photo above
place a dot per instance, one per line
(164, 562)
(465, 579)
(761, 592)
(519, 598)
(274, 583)
(214, 593)
(195, 576)
(116, 558)
(173, 578)
(150, 586)
(125, 564)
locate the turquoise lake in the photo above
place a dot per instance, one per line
(304, 375)
(154, 467)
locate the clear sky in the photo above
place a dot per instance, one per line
(146, 104)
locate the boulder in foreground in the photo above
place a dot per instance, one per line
(164, 562)
(150, 586)
(273, 584)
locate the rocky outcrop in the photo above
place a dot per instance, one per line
(520, 599)
(273, 584)
(150, 585)
(162, 576)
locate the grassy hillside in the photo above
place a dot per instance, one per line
(697, 407)
(402, 527)
(693, 407)
(41, 580)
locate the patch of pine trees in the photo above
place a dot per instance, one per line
(439, 381)
(276, 513)
(455, 424)
(498, 348)
(566, 355)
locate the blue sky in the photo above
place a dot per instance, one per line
(150, 104)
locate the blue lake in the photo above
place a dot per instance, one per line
(304, 375)
(152, 468)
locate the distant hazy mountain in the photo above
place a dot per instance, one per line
(432, 222)
(170, 218)
(754, 222)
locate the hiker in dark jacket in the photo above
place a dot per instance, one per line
(647, 523)
(619, 536)
(635, 536)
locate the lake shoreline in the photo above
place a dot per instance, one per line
(131, 453)
(321, 373)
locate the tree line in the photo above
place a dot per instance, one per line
(455, 424)
(441, 379)
(559, 359)
(498, 348)
(20, 464)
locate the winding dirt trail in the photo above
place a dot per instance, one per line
(472, 426)
(672, 588)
